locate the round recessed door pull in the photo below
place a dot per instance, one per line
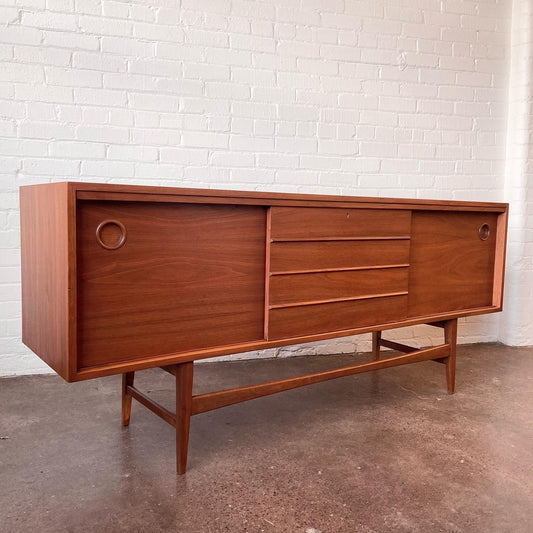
(111, 234)
(484, 232)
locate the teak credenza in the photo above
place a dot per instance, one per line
(117, 279)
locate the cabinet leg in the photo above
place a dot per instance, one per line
(184, 377)
(376, 338)
(450, 337)
(127, 379)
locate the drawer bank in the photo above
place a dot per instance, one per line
(117, 279)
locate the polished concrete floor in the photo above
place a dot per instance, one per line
(388, 451)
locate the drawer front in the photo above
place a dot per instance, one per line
(335, 269)
(334, 255)
(322, 318)
(306, 223)
(295, 289)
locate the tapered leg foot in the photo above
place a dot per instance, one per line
(184, 378)
(376, 338)
(450, 337)
(127, 379)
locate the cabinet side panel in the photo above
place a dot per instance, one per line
(44, 260)
(499, 263)
(188, 276)
(452, 267)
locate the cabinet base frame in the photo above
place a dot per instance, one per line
(188, 405)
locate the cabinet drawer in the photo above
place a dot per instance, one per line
(335, 269)
(308, 223)
(297, 288)
(313, 255)
(322, 318)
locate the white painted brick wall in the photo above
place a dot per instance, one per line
(368, 97)
(516, 326)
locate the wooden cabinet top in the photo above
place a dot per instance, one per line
(106, 191)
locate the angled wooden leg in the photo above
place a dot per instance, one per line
(376, 338)
(450, 337)
(127, 379)
(184, 377)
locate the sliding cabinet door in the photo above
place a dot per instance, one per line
(157, 279)
(452, 261)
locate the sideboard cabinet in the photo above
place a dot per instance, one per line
(117, 279)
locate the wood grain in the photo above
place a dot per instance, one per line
(127, 381)
(301, 256)
(499, 261)
(311, 223)
(451, 267)
(51, 232)
(184, 382)
(188, 277)
(396, 346)
(146, 193)
(156, 408)
(296, 321)
(294, 288)
(215, 351)
(450, 337)
(267, 269)
(215, 400)
(376, 343)
(44, 214)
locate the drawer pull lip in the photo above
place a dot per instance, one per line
(484, 231)
(334, 239)
(339, 269)
(111, 245)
